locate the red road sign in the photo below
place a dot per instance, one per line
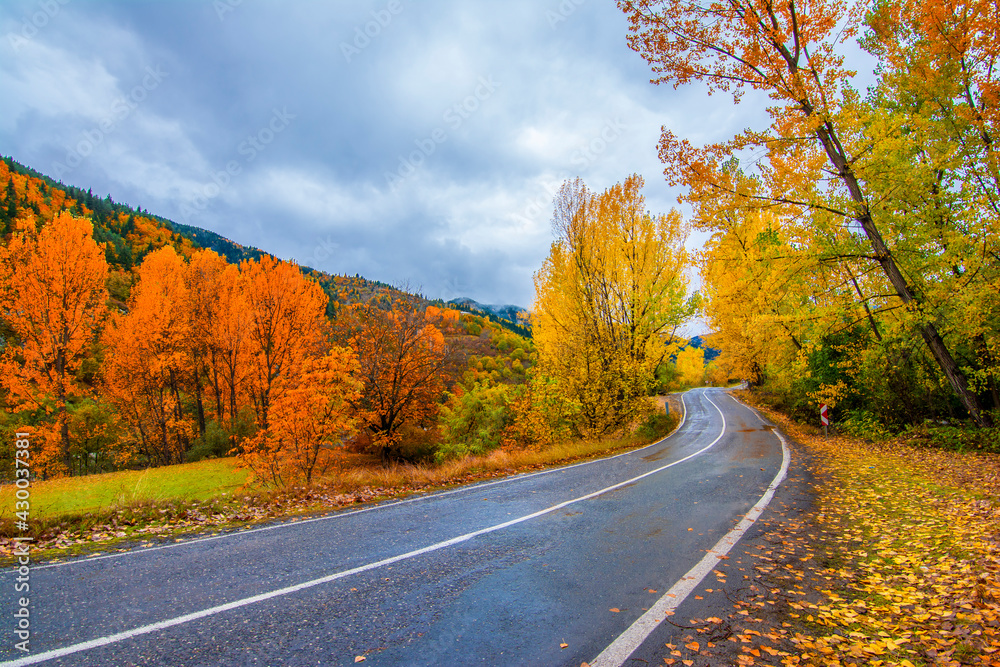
(824, 414)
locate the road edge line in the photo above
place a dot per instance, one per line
(618, 651)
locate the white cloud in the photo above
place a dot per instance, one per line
(50, 81)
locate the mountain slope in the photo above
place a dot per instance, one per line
(28, 197)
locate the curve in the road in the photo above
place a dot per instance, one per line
(615, 654)
(294, 523)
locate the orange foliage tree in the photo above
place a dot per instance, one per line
(146, 362)
(203, 279)
(285, 325)
(53, 298)
(229, 330)
(308, 422)
(404, 364)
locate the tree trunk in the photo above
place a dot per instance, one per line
(942, 355)
(199, 403)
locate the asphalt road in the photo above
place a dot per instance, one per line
(501, 573)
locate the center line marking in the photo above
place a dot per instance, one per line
(236, 604)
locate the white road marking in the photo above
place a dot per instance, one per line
(621, 648)
(236, 604)
(342, 514)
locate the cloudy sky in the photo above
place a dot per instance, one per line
(410, 141)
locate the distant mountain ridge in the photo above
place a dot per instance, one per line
(507, 315)
(508, 312)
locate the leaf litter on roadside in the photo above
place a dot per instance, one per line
(897, 563)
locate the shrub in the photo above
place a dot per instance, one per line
(218, 440)
(473, 421)
(863, 424)
(961, 439)
(657, 425)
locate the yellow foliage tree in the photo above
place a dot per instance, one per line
(900, 188)
(691, 366)
(609, 299)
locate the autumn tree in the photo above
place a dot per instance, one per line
(816, 153)
(609, 299)
(147, 360)
(285, 325)
(756, 279)
(935, 109)
(52, 297)
(308, 422)
(404, 364)
(204, 281)
(229, 331)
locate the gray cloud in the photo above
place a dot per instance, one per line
(407, 141)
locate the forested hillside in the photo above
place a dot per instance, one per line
(129, 340)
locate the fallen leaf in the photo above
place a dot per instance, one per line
(360, 658)
(614, 609)
(564, 645)
(692, 646)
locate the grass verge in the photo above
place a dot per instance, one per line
(96, 493)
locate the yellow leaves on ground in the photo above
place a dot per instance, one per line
(914, 574)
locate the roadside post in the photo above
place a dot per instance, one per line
(824, 416)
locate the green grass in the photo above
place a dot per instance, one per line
(78, 495)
